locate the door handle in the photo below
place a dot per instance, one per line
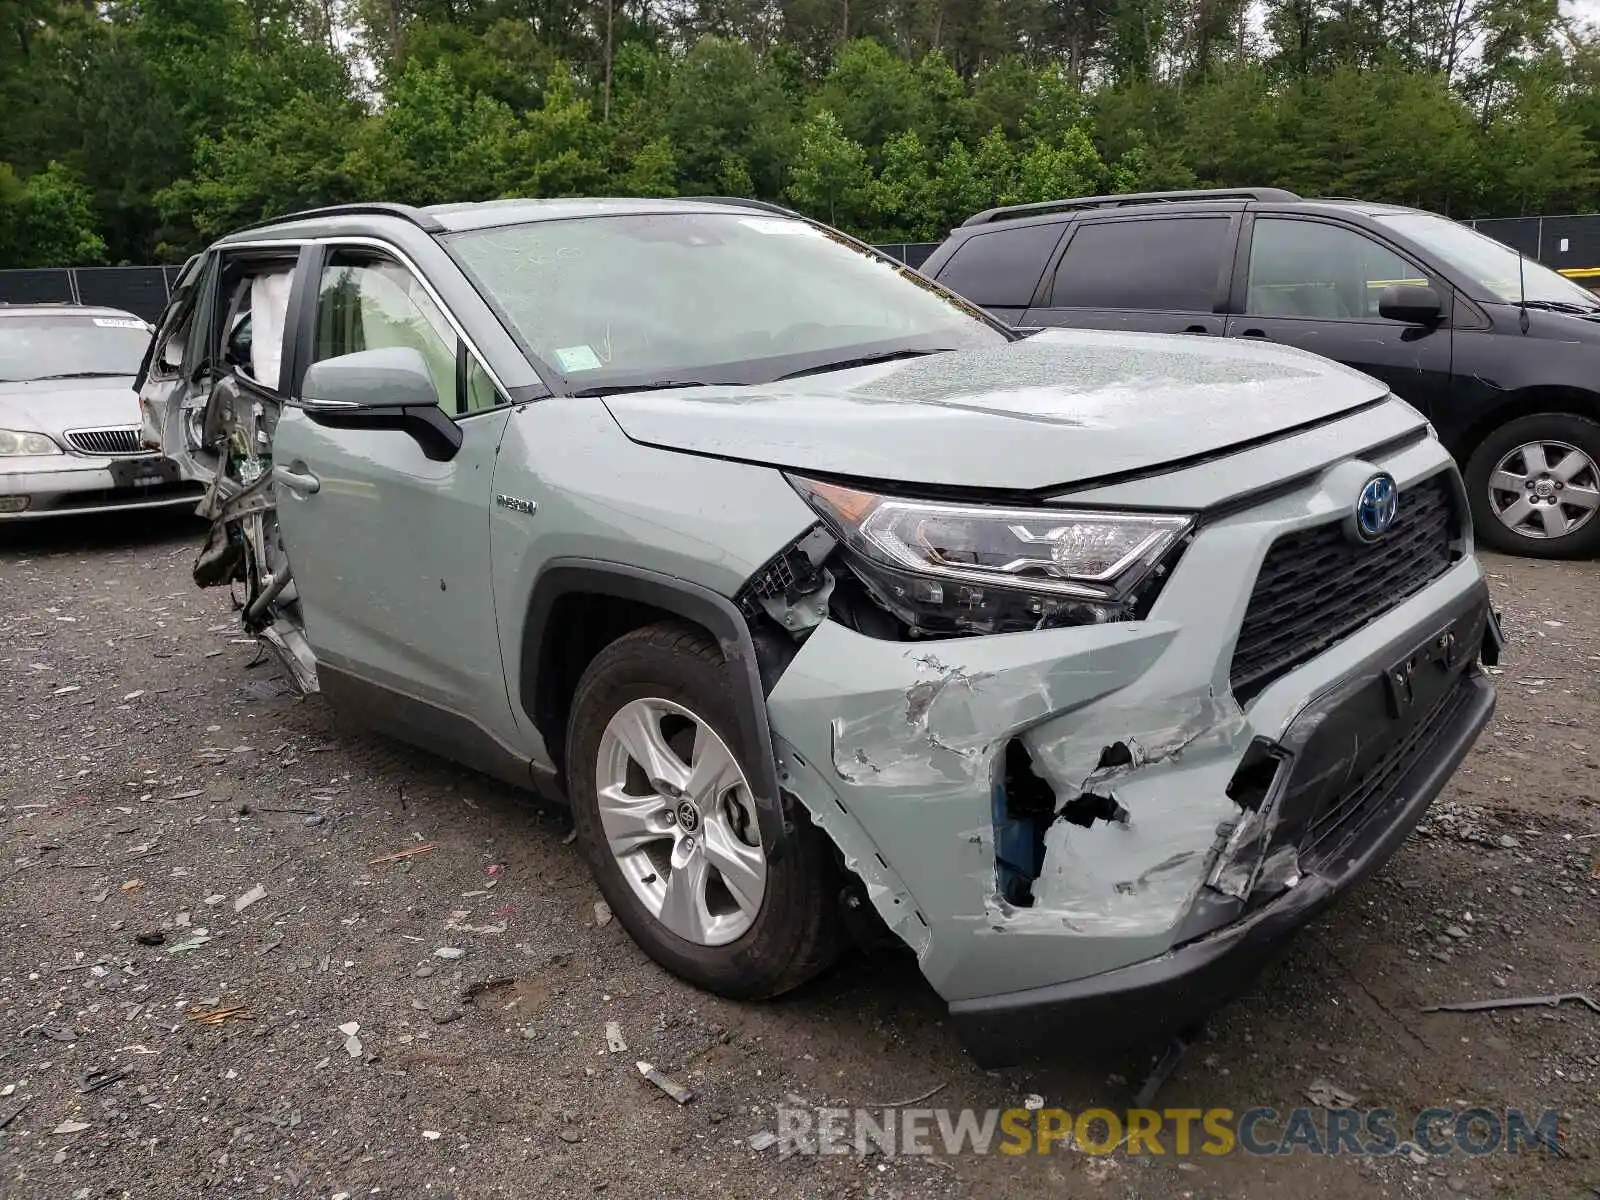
(305, 483)
(1255, 333)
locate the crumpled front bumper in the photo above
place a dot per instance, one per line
(897, 750)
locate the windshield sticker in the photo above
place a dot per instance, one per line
(779, 227)
(578, 358)
(119, 323)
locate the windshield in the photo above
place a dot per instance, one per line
(70, 346)
(736, 298)
(1490, 264)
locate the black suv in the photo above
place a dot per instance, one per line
(1501, 353)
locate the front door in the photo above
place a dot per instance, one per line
(1316, 285)
(390, 550)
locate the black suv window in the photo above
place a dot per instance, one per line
(1326, 272)
(1001, 269)
(1172, 264)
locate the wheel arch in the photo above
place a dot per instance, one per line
(1526, 402)
(579, 606)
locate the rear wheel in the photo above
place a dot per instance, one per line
(666, 816)
(1534, 484)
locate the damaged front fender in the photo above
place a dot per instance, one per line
(914, 751)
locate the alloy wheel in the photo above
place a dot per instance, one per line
(1544, 489)
(679, 818)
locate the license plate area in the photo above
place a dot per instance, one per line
(138, 474)
(1346, 740)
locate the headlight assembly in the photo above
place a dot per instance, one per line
(16, 442)
(948, 567)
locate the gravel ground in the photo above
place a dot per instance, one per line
(157, 778)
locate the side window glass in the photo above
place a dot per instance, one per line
(1310, 269)
(481, 392)
(1001, 269)
(365, 302)
(1169, 264)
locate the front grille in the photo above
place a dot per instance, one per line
(115, 440)
(1341, 822)
(1318, 586)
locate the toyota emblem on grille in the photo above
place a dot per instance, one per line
(1375, 507)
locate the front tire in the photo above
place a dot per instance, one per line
(1534, 486)
(665, 815)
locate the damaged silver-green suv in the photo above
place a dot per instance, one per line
(1090, 665)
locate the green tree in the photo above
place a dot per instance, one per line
(724, 103)
(831, 178)
(47, 220)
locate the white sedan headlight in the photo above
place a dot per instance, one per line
(15, 442)
(985, 568)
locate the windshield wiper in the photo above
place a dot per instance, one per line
(1565, 306)
(88, 375)
(865, 360)
(658, 385)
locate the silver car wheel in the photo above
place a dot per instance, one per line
(679, 818)
(1544, 489)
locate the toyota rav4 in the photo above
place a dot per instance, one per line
(1089, 665)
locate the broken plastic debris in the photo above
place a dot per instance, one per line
(352, 1046)
(1326, 1095)
(463, 927)
(193, 942)
(764, 1140)
(666, 1083)
(449, 952)
(350, 1028)
(602, 914)
(1033, 1102)
(1518, 1002)
(219, 1016)
(433, 1135)
(411, 852)
(253, 896)
(614, 1042)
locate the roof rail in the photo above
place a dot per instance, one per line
(741, 202)
(1009, 211)
(406, 212)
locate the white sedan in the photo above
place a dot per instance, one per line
(69, 418)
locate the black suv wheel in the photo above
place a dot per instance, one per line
(1534, 485)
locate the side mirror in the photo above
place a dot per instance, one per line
(381, 389)
(1412, 303)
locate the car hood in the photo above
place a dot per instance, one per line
(1055, 408)
(55, 405)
